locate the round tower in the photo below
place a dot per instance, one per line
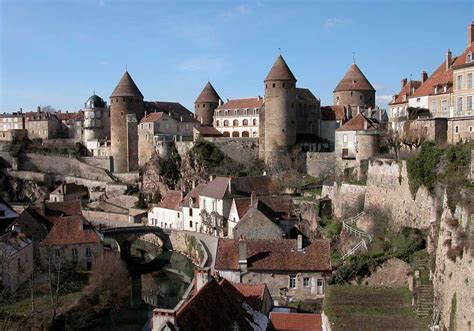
(280, 118)
(205, 105)
(95, 118)
(126, 103)
(354, 90)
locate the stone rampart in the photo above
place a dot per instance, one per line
(37, 177)
(104, 162)
(241, 150)
(62, 165)
(388, 196)
(348, 199)
(106, 218)
(320, 165)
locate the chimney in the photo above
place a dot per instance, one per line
(227, 100)
(193, 184)
(21, 110)
(299, 243)
(253, 199)
(230, 185)
(449, 58)
(242, 254)
(404, 82)
(38, 109)
(470, 34)
(220, 102)
(424, 76)
(201, 277)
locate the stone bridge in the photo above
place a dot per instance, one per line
(126, 236)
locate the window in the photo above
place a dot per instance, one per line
(217, 123)
(191, 224)
(434, 106)
(88, 251)
(306, 282)
(469, 103)
(470, 129)
(457, 129)
(245, 122)
(226, 123)
(320, 286)
(57, 252)
(190, 211)
(469, 57)
(344, 139)
(459, 82)
(459, 104)
(444, 105)
(418, 99)
(469, 81)
(74, 252)
(254, 122)
(235, 123)
(273, 85)
(292, 281)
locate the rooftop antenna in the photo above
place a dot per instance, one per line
(410, 76)
(279, 50)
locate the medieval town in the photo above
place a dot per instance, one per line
(279, 211)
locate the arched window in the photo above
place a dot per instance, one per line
(235, 134)
(245, 122)
(226, 134)
(254, 133)
(235, 123)
(217, 123)
(254, 121)
(226, 123)
(245, 134)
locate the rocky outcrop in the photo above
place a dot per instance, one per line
(392, 273)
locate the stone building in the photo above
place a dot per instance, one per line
(16, 260)
(126, 108)
(239, 118)
(191, 210)
(43, 125)
(72, 124)
(205, 104)
(72, 242)
(398, 107)
(96, 122)
(354, 91)
(168, 213)
(290, 270)
(332, 117)
(68, 192)
(358, 138)
(12, 126)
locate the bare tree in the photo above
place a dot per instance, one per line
(394, 139)
(414, 135)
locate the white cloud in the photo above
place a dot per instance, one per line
(204, 63)
(379, 87)
(236, 11)
(384, 98)
(335, 22)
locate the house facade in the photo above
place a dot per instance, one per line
(239, 118)
(290, 270)
(168, 214)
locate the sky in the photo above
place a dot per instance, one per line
(59, 52)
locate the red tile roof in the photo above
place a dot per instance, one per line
(440, 77)
(274, 255)
(208, 131)
(252, 294)
(333, 113)
(70, 188)
(280, 71)
(71, 230)
(354, 80)
(208, 94)
(407, 91)
(256, 102)
(171, 200)
(152, 117)
(357, 123)
(261, 185)
(173, 109)
(126, 87)
(462, 59)
(194, 195)
(295, 322)
(242, 205)
(69, 116)
(64, 208)
(304, 94)
(213, 308)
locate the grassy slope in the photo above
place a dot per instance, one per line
(352, 307)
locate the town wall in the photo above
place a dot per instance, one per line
(348, 199)
(452, 280)
(464, 131)
(320, 165)
(190, 246)
(106, 218)
(388, 196)
(104, 162)
(62, 165)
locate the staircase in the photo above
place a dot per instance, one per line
(347, 225)
(359, 246)
(423, 289)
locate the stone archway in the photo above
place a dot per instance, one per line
(236, 134)
(245, 134)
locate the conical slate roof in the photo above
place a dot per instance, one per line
(126, 87)
(280, 71)
(208, 94)
(354, 80)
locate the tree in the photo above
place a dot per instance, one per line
(414, 135)
(395, 141)
(48, 108)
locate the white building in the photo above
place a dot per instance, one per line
(239, 117)
(191, 210)
(168, 213)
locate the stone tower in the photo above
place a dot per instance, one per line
(96, 119)
(354, 90)
(205, 105)
(280, 115)
(126, 109)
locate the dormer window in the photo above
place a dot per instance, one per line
(445, 89)
(436, 90)
(469, 57)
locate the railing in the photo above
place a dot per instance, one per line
(353, 230)
(354, 249)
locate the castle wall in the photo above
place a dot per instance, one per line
(363, 99)
(205, 112)
(320, 165)
(464, 131)
(388, 192)
(367, 145)
(348, 199)
(241, 150)
(104, 162)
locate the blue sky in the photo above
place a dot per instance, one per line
(57, 52)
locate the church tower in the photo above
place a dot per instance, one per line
(354, 90)
(279, 114)
(205, 105)
(126, 110)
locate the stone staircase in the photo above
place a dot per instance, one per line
(423, 289)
